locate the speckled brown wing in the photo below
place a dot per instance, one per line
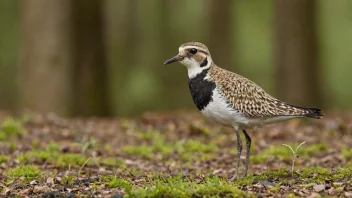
(250, 99)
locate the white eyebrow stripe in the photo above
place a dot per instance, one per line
(190, 47)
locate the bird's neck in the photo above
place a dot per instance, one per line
(194, 70)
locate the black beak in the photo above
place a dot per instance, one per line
(174, 59)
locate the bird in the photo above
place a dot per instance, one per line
(232, 100)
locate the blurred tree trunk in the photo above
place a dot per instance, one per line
(220, 33)
(90, 94)
(45, 62)
(297, 70)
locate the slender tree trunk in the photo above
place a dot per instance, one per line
(297, 70)
(45, 60)
(90, 66)
(220, 33)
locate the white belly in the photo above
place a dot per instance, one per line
(219, 110)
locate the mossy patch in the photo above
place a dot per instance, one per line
(68, 180)
(4, 159)
(315, 175)
(142, 151)
(343, 174)
(285, 154)
(72, 159)
(347, 154)
(157, 145)
(269, 175)
(28, 172)
(11, 128)
(179, 187)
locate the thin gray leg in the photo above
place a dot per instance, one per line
(239, 151)
(248, 146)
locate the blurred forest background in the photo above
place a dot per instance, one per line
(105, 57)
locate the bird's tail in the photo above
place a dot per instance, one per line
(314, 113)
(310, 112)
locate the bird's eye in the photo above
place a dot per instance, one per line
(193, 51)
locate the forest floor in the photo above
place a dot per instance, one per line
(171, 155)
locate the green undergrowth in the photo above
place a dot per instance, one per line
(28, 172)
(284, 154)
(155, 144)
(53, 155)
(311, 175)
(68, 180)
(176, 187)
(4, 159)
(269, 175)
(347, 154)
(10, 128)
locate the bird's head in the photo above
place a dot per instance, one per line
(195, 56)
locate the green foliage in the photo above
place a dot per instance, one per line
(315, 174)
(283, 154)
(4, 159)
(71, 159)
(178, 187)
(142, 151)
(158, 145)
(270, 175)
(53, 148)
(11, 128)
(36, 155)
(109, 161)
(120, 183)
(346, 153)
(343, 173)
(193, 146)
(68, 180)
(28, 172)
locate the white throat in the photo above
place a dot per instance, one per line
(193, 67)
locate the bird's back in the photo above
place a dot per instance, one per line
(248, 98)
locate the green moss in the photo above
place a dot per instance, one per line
(315, 148)
(4, 159)
(68, 180)
(343, 173)
(199, 130)
(11, 128)
(258, 159)
(142, 151)
(38, 155)
(275, 189)
(285, 154)
(245, 181)
(53, 148)
(178, 187)
(28, 172)
(109, 161)
(157, 146)
(193, 146)
(291, 195)
(120, 183)
(71, 159)
(346, 153)
(270, 175)
(150, 135)
(315, 174)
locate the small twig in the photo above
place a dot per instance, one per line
(130, 172)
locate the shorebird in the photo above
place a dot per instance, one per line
(232, 100)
